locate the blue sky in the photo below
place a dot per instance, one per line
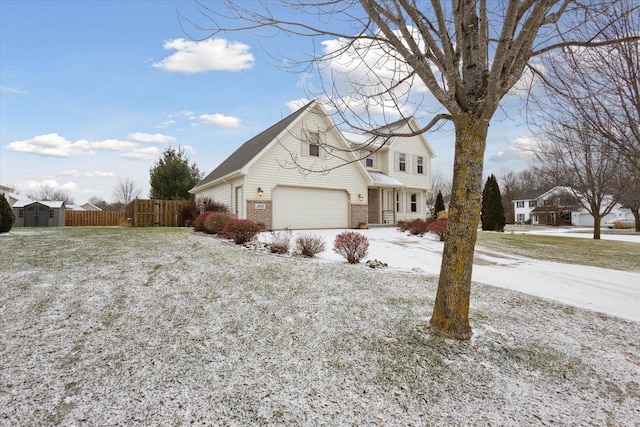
(93, 91)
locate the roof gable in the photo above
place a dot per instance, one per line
(250, 149)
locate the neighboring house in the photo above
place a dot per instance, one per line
(559, 206)
(523, 204)
(39, 214)
(86, 207)
(273, 177)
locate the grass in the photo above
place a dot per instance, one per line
(110, 326)
(611, 254)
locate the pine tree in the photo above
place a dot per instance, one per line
(6, 215)
(492, 215)
(172, 177)
(439, 205)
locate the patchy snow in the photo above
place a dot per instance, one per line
(602, 290)
(150, 326)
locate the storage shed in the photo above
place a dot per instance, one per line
(39, 214)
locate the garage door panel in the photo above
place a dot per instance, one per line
(308, 208)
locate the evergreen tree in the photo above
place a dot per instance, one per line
(6, 215)
(172, 177)
(492, 214)
(439, 205)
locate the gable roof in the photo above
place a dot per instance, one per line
(396, 127)
(529, 195)
(250, 149)
(56, 204)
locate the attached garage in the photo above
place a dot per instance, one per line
(308, 208)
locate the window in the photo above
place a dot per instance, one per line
(532, 203)
(402, 162)
(413, 204)
(397, 202)
(368, 161)
(520, 218)
(20, 213)
(314, 144)
(420, 164)
(520, 204)
(51, 212)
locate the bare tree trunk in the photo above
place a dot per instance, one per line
(597, 222)
(451, 309)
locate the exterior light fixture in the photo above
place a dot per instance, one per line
(360, 197)
(260, 192)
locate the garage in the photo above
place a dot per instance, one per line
(308, 208)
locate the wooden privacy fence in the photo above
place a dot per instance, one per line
(94, 218)
(156, 213)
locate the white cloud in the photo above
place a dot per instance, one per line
(55, 145)
(13, 90)
(48, 182)
(144, 153)
(207, 55)
(156, 138)
(99, 174)
(219, 120)
(70, 172)
(111, 144)
(165, 124)
(296, 104)
(521, 149)
(50, 144)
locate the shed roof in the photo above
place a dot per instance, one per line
(380, 179)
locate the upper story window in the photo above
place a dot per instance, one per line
(419, 165)
(310, 143)
(314, 143)
(368, 159)
(532, 203)
(402, 162)
(520, 204)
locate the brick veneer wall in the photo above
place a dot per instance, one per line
(359, 213)
(260, 215)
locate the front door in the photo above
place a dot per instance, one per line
(239, 203)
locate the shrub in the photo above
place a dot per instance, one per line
(403, 225)
(439, 228)
(280, 242)
(240, 230)
(207, 204)
(215, 222)
(351, 245)
(419, 226)
(189, 213)
(309, 245)
(6, 215)
(198, 223)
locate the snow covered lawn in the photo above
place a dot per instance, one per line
(152, 326)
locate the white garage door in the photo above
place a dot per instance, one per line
(306, 208)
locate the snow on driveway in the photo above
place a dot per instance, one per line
(598, 289)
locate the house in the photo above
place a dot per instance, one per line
(29, 213)
(523, 204)
(85, 207)
(559, 206)
(302, 173)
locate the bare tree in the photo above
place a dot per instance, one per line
(48, 193)
(578, 159)
(126, 191)
(466, 56)
(630, 194)
(439, 184)
(600, 90)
